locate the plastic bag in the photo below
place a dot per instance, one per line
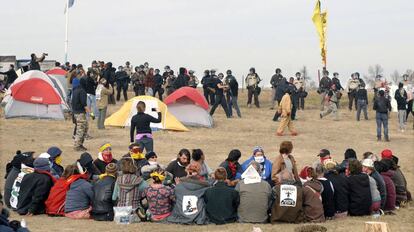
(125, 215)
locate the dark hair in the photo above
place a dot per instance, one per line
(234, 155)
(220, 174)
(286, 147)
(400, 85)
(381, 93)
(128, 166)
(70, 170)
(355, 167)
(12, 66)
(252, 70)
(197, 154)
(185, 152)
(367, 154)
(156, 179)
(141, 107)
(57, 64)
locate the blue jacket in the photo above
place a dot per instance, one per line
(267, 169)
(79, 196)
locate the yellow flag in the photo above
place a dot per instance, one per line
(320, 20)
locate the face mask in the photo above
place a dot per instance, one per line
(259, 159)
(152, 162)
(137, 156)
(58, 160)
(107, 156)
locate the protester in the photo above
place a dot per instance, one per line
(367, 167)
(349, 154)
(382, 106)
(102, 205)
(300, 86)
(85, 165)
(137, 81)
(189, 205)
(149, 82)
(135, 153)
(182, 79)
(198, 156)
(265, 166)
(281, 89)
(80, 108)
(90, 88)
(255, 195)
(232, 167)
(285, 110)
(122, 80)
(169, 82)
(312, 200)
(360, 200)
(327, 192)
(177, 167)
(232, 94)
(35, 188)
(104, 157)
(294, 97)
(323, 155)
(387, 174)
(284, 161)
(151, 166)
(325, 85)
(56, 160)
(11, 76)
(141, 124)
(401, 98)
(274, 82)
(158, 82)
(352, 88)
(400, 182)
(252, 82)
(103, 91)
(219, 87)
(331, 101)
(34, 61)
(362, 101)
(223, 209)
(70, 75)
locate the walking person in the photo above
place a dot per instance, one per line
(274, 82)
(122, 80)
(79, 109)
(252, 82)
(302, 94)
(220, 99)
(401, 98)
(337, 82)
(352, 87)
(285, 110)
(362, 101)
(324, 87)
(232, 94)
(382, 106)
(330, 104)
(103, 91)
(141, 124)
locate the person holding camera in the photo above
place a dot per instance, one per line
(252, 82)
(141, 124)
(34, 61)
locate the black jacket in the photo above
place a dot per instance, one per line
(102, 205)
(341, 191)
(91, 85)
(11, 76)
(141, 123)
(139, 163)
(234, 86)
(109, 75)
(275, 80)
(325, 84)
(362, 95)
(121, 77)
(206, 81)
(230, 175)
(181, 81)
(382, 105)
(359, 195)
(176, 169)
(34, 190)
(401, 100)
(101, 165)
(158, 81)
(79, 98)
(337, 83)
(223, 209)
(281, 89)
(328, 198)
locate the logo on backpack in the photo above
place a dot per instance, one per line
(190, 205)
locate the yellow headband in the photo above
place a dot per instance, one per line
(104, 147)
(160, 176)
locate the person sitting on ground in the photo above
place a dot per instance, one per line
(198, 156)
(328, 199)
(160, 197)
(265, 165)
(288, 195)
(324, 154)
(312, 200)
(104, 157)
(190, 207)
(102, 205)
(79, 198)
(367, 167)
(348, 155)
(379, 180)
(383, 167)
(360, 200)
(305, 174)
(232, 166)
(223, 209)
(255, 195)
(135, 152)
(56, 159)
(283, 161)
(5, 224)
(35, 188)
(152, 165)
(341, 188)
(26, 168)
(13, 170)
(177, 167)
(85, 162)
(129, 187)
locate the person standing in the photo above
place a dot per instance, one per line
(206, 82)
(91, 84)
(149, 82)
(274, 82)
(337, 83)
(34, 61)
(232, 94)
(79, 109)
(382, 106)
(302, 94)
(401, 98)
(70, 75)
(158, 83)
(169, 83)
(285, 110)
(362, 101)
(182, 79)
(141, 123)
(324, 87)
(109, 74)
(330, 103)
(103, 91)
(135, 81)
(122, 80)
(252, 82)
(11, 76)
(128, 69)
(352, 88)
(294, 97)
(220, 99)
(193, 81)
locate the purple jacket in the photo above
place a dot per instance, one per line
(389, 185)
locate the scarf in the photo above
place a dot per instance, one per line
(233, 168)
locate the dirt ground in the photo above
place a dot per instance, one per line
(255, 128)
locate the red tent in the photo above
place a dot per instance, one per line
(36, 91)
(185, 94)
(56, 71)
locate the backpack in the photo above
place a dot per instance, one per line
(55, 203)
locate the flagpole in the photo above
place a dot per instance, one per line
(66, 30)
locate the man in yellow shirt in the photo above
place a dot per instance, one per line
(285, 109)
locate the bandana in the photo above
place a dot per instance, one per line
(104, 147)
(160, 176)
(137, 156)
(58, 160)
(233, 168)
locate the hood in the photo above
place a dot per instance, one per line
(20, 158)
(54, 152)
(314, 184)
(193, 184)
(129, 181)
(85, 159)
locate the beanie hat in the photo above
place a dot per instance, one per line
(111, 168)
(42, 164)
(257, 149)
(304, 172)
(369, 163)
(323, 153)
(150, 155)
(44, 155)
(386, 154)
(85, 159)
(54, 152)
(20, 158)
(350, 154)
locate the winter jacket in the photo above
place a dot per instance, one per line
(341, 191)
(15, 191)
(223, 209)
(230, 175)
(101, 165)
(189, 206)
(255, 201)
(128, 190)
(288, 209)
(328, 199)
(337, 83)
(79, 196)
(79, 100)
(102, 94)
(176, 169)
(160, 200)
(266, 167)
(382, 105)
(281, 90)
(182, 79)
(8, 185)
(389, 185)
(121, 77)
(6, 227)
(312, 201)
(91, 85)
(158, 81)
(34, 190)
(102, 204)
(401, 99)
(275, 80)
(359, 195)
(285, 106)
(206, 81)
(362, 94)
(400, 185)
(141, 123)
(56, 170)
(379, 180)
(233, 85)
(139, 163)
(375, 195)
(149, 81)
(325, 84)
(279, 165)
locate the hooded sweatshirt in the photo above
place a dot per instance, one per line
(14, 196)
(128, 189)
(359, 195)
(312, 201)
(189, 207)
(266, 167)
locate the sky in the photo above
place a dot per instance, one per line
(219, 34)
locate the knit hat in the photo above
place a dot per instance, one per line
(150, 155)
(257, 149)
(42, 164)
(194, 167)
(104, 147)
(85, 158)
(329, 164)
(54, 152)
(350, 154)
(304, 172)
(324, 152)
(44, 155)
(386, 154)
(111, 168)
(368, 163)
(20, 158)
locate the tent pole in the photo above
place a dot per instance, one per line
(66, 30)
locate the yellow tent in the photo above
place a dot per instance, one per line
(122, 118)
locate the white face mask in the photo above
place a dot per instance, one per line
(259, 159)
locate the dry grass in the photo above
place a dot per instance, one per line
(255, 128)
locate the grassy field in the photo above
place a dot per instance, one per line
(255, 128)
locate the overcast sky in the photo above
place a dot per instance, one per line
(221, 34)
